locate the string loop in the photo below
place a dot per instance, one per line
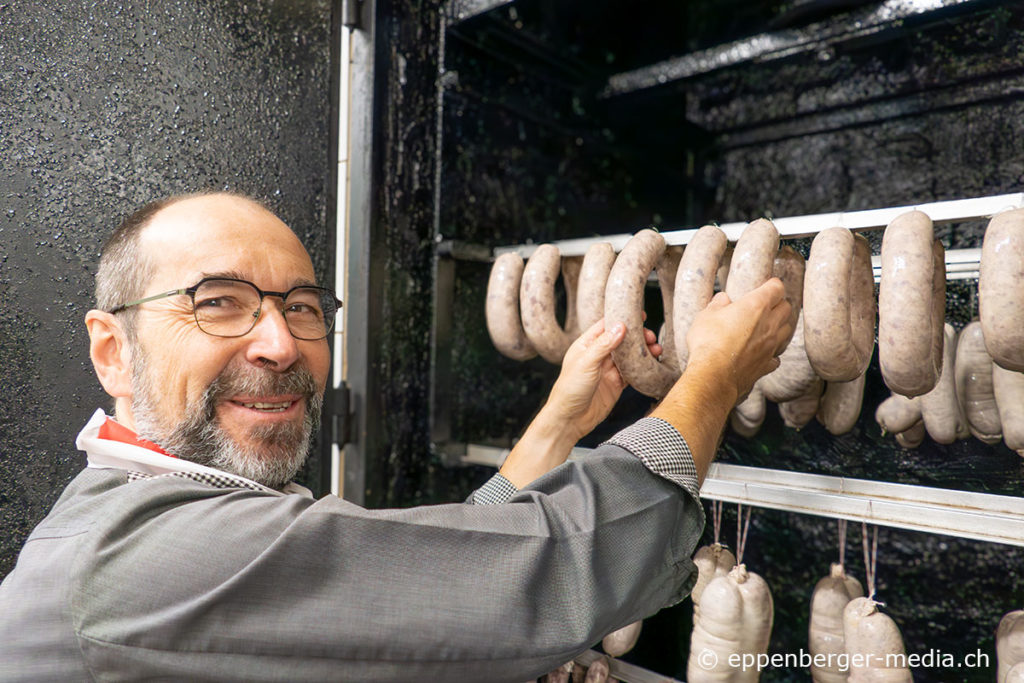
(742, 529)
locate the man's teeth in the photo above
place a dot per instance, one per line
(270, 407)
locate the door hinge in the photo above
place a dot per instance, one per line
(341, 415)
(351, 14)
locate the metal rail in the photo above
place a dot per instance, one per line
(956, 210)
(964, 514)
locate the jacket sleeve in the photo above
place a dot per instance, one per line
(187, 582)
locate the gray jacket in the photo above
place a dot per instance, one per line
(171, 578)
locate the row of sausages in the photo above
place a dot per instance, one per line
(832, 296)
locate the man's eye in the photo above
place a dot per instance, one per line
(217, 302)
(302, 309)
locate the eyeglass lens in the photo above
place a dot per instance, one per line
(228, 308)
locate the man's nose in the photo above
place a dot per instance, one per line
(271, 344)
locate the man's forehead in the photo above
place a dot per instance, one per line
(223, 233)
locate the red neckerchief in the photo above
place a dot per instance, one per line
(118, 432)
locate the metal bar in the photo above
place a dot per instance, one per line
(624, 671)
(975, 208)
(950, 512)
(779, 44)
(462, 10)
(965, 514)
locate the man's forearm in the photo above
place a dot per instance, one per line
(545, 445)
(698, 406)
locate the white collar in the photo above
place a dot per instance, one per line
(110, 454)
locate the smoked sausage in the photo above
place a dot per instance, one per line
(911, 303)
(502, 308)
(839, 305)
(1001, 289)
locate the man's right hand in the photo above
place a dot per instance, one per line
(740, 341)
(731, 345)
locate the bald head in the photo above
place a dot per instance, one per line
(132, 252)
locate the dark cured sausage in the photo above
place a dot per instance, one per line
(502, 308)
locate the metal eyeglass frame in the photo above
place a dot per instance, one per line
(191, 291)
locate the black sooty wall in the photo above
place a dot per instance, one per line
(533, 147)
(104, 107)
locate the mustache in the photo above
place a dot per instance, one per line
(251, 381)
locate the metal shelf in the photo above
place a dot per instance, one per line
(978, 516)
(975, 208)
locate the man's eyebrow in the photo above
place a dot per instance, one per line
(238, 275)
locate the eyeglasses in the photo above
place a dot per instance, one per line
(227, 307)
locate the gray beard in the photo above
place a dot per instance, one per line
(199, 438)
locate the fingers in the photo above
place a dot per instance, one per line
(720, 300)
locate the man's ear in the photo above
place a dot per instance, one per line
(111, 357)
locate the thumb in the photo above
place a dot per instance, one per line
(613, 336)
(720, 300)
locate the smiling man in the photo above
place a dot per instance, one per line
(183, 551)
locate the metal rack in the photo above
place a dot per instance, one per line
(979, 516)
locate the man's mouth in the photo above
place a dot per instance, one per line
(274, 404)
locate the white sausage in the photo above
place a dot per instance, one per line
(898, 414)
(940, 408)
(974, 381)
(913, 437)
(597, 264)
(1008, 387)
(1001, 289)
(911, 304)
(667, 267)
(748, 416)
(839, 305)
(623, 302)
(825, 632)
(840, 405)
(801, 410)
(794, 376)
(871, 636)
(621, 641)
(537, 301)
(502, 308)
(695, 282)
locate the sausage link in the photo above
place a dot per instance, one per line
(801, 410)
(748, 415)
(1001, 289)
(1008, 386)
(841, 404)
(722, 274)
(839, 305)
(571, 266)
(537, 301)
(623, 302)
(597, 264)
(940, 409)
(911, 308)
(898, 413)
(753, 258)
(794, 376)
(695, 282)
(974, 382)
(667, 267)
(913, 437)
(502, 308)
